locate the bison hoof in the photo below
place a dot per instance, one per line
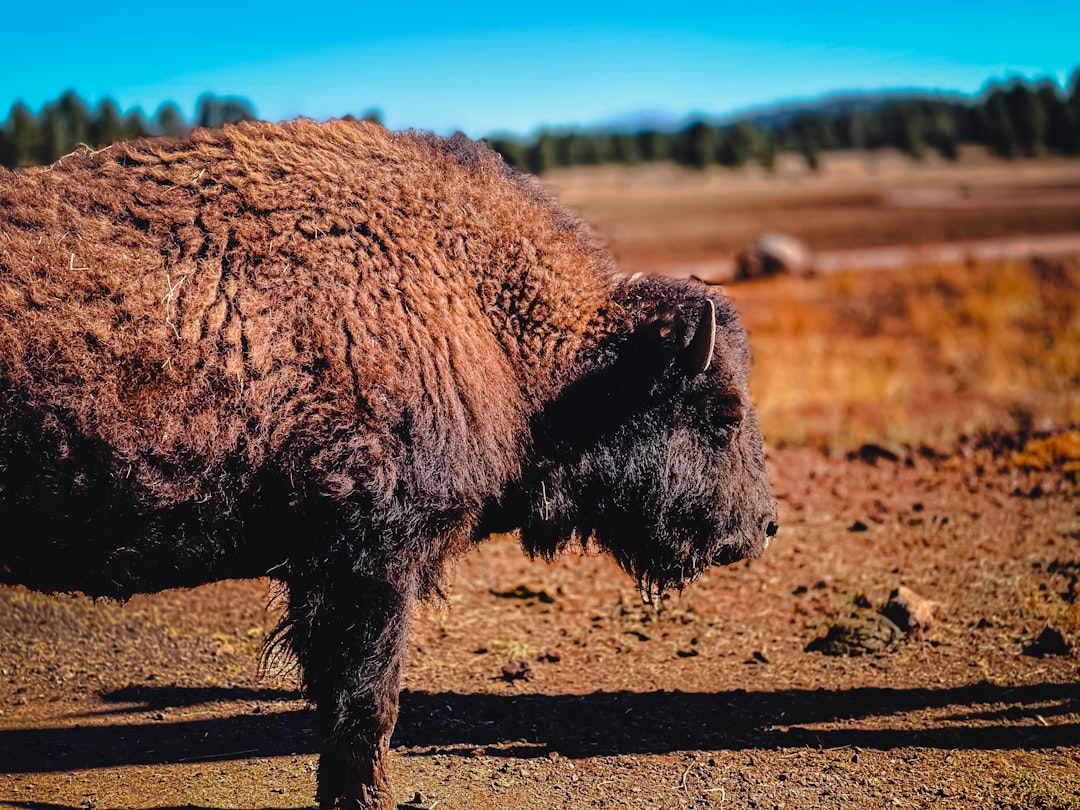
(367, 797)
(371, 793)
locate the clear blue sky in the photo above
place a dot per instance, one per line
(486, 66)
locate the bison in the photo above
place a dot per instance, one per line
(341, 357)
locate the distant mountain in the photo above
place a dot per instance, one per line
(783, 113)
(640, 121)
(772, 116)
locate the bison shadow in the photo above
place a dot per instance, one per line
(983, 716)
(51, 806)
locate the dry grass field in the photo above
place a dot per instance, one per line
(923, 430)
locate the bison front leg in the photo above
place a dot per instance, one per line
(349, 635)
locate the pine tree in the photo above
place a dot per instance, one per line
(7, 149)
(133, 126)
(75, 120)
(806, 133)
(215, 112)
(168, 120)
(626, 149)
(512, 151)
(1072, 114)
(654, 146)
(701, 144)
(24, 134)
(52, 143)
(1028, 117)
(1000, 129)
(543, 155)
(766, 154)
(106, 125)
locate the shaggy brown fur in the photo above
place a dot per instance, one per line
(341, 356)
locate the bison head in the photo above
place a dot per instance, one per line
(654, 453)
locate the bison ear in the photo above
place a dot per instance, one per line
(697, 357)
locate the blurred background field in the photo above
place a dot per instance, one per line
(916, 354)
(663, 218)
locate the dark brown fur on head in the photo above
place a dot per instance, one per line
(341, 356)
(657, 462)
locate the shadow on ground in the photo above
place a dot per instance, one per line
(980, 716)
(50, 806)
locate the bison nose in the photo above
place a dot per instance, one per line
(770, 531)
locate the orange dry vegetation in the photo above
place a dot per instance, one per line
(1061, 450)
(917, 356)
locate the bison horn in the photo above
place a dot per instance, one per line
(699, 353)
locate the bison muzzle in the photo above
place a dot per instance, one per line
(342, 357)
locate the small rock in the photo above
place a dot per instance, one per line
(526, 592)
(517, 669)
(773, 254)
(910, 612)
(859, 635)
(872, 453)
(552, 655)
(1051, 641)
(858, 526)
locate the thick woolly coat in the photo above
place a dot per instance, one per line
(176, 321)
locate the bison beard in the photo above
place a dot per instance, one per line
(342, 357)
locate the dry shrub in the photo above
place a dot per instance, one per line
(1060, 451)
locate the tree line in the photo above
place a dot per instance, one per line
(60, 127)
(1014, 119)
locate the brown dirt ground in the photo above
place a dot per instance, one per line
(967, 494)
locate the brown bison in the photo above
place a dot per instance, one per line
(342, 357)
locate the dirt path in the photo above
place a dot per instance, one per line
(860, 211)
(899, 257)
(710, 701)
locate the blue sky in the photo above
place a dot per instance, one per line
(490, 67)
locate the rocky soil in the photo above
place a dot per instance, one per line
(772, 683)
